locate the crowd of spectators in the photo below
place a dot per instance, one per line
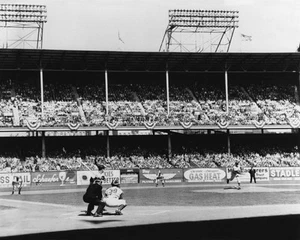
(6, 105)
(59, 107)
(137, 104)
(277, 102)
(6, 113)
(247, 104)
(141, 158)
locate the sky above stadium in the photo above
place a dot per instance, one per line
(139, 25)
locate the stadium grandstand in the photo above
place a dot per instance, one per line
(147, 109)
(79, 127)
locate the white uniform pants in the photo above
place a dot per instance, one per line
(114, 202)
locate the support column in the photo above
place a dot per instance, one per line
(106, 91)
(107, 143)
(298, 102)
(226, 91)
(228, 142)
(298, 87)
(167, 88)
(43, 145)
(42, 91)
(169, 146)
(298, 140)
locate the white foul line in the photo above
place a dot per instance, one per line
(160, 212)
(37, 203)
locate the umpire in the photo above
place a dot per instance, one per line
(252, 172)
(93, 196)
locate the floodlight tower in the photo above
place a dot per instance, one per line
(199, 30)
(22, 25)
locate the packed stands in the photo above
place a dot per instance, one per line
(277, 102)
(127, 157)
(279, 159)
(60, 106)
(133, 104)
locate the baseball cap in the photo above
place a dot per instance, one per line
(96, 179)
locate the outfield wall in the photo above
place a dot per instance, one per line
(128, 176)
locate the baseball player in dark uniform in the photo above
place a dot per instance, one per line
(93, 196)
(252, 173)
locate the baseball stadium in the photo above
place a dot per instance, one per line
(189, 116)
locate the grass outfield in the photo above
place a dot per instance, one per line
(206, 211)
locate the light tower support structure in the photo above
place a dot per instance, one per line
(199, 31)
(22, 25)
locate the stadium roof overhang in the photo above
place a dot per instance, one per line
(71, 60)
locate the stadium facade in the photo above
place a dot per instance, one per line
(161, 68)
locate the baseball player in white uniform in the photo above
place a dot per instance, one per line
(113, 197)
(235, 174)
(16, 184)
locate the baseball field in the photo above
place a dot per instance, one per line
(176, 211)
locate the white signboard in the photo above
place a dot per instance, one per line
(205, 175)
(83, 177)
(285, 173)
(7, 178)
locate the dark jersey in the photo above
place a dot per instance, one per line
(94, 191)
(159, 175)
(252, 172)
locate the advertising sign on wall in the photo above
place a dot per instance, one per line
(59, 178)
(170, 175)
(7, 178)
(285, 173)
(262, 174)
(83, 177)
(205, 175)
(129, 175)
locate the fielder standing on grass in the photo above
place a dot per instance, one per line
(235, 173)
(160, 177)
(16, 184)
